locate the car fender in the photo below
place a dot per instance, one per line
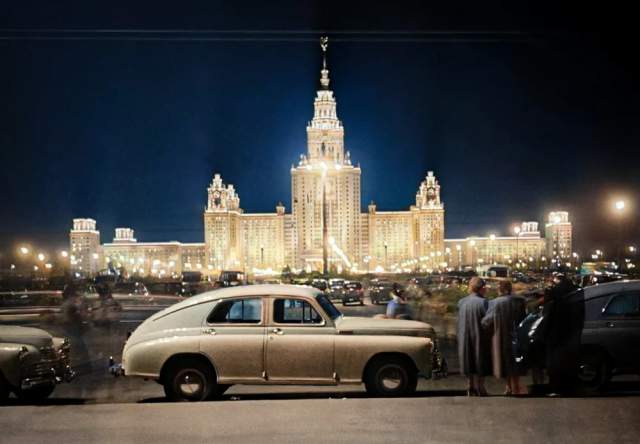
(147, 358)
(12, 355)
(353, 352)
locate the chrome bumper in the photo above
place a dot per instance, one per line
(439, 367)
(53, 378)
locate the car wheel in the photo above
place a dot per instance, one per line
(594, 371)
(390, 377)
(361, 302)
(35, 394)
(189, 381)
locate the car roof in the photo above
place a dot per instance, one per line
(245, 290)
(597, 290)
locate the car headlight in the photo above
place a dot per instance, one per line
(24, 351)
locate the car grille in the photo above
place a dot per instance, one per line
(53, 362)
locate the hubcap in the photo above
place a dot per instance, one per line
(390, 378)
(190, 383)
(587, 372)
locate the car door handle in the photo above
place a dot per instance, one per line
(209, 331)
(277, 331)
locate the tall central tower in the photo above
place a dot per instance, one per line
(325, 188)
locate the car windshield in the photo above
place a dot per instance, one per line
(328, 307)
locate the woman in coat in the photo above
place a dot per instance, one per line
(503, 316)
(473, 342)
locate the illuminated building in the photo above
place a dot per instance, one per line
(558, 233)
(325, 216)
(84, 243)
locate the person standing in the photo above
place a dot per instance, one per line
(474, 350)
(503, 316)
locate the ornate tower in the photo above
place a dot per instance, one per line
(428, 219)
(222, 226)
(326, 189)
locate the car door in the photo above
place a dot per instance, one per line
(233, 336)
(300, 342)
(621, 319)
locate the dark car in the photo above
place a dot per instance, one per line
(380, 291)
(352, 292)
(335, 289)
(599, 332)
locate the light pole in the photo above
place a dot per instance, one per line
(516, 231)
(386, 265)
(262, 256)
(620, 206)
(492, 238)
(459, 250)
(325, 232)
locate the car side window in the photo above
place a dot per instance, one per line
(237, 311)
(295, 311)
(625, 304)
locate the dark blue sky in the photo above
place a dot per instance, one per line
(130, 131)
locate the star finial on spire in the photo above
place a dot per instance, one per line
(324, 79)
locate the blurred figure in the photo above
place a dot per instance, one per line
(73, 307)
(558, 331)
(503, 316)
(474, 349)
(396, 307)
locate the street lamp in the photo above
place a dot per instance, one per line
(492, 238)
(41, 257)
(516, 231)
(24, 251)
(385, 256)
(619, 207)
(325, 232)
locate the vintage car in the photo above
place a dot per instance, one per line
(276, 334)
(32, 362)
(380, 291)
(352, 292)
(598, 328)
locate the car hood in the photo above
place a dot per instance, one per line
(382, 326)
(25, 335)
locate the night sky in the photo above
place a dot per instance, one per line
(129, 128)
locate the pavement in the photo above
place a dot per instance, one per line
(407, 420)
(98, 407)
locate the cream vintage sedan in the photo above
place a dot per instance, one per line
(275, 334)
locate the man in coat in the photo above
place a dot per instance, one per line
(474, 349)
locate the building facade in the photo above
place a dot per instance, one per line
(325, 218)
(558, 232)
(84, 246)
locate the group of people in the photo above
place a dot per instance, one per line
(486, 331)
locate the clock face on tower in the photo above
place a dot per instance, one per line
(216, 199)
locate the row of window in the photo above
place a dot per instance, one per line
(249, 311)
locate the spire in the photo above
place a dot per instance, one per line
(324, 73)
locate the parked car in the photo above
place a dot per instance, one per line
(336, 287)
(380, 291)
(320, 284)
(607, 320)
(276, 334)
(32, 362)
(352, 292)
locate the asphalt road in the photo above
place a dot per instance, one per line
(407, 420)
